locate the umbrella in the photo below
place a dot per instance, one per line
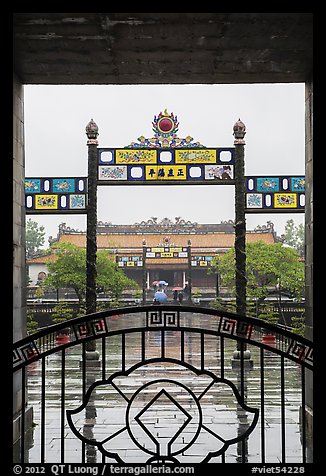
(163, 283)
(160, 296)
(155, 283)
(177, 288)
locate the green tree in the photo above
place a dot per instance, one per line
(34, 237)
(267, 266)
(294, 236)
(31, 323)
(69, 270)
(62, 312)
(298, 323)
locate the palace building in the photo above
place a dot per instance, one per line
(165, 250)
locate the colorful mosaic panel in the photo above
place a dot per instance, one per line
(46, 202)
(275, 194)
(181, 166)
(130, 156)
(148, 165)
(285, 200)
(56, 195)
(77, 202)
(64, 185)
(197, 156)
(218, 172)
(33, 185)
(298, 184)
(166, 172)
(114, 173)
(130, 261)
(167, 252)
(268, 184)
(201, 261)
(254, 200)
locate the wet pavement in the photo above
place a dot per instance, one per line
(165, 408)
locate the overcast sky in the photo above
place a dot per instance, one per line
(56, 117)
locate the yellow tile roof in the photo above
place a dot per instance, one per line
(131, 243)
(213, 240)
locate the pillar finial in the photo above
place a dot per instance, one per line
(92, 132)
(239, 131)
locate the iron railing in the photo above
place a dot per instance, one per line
(166, 383)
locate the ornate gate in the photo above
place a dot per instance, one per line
(166, 384)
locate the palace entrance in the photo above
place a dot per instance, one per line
(173, 278)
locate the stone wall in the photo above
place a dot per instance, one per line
(309, 248)
(309, 210)
(18, 212)
(19, 285)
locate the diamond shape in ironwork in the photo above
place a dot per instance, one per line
(152, 410)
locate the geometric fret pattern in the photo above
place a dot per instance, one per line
(90, 328)
(24, 353)
(301, 351)
(234, 327)
(159, 318)
(287, 344)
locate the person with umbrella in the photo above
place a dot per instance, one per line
(160, 297)
(175, 292)
(162, 284)
(155, 284)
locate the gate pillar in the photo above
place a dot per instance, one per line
(91, 245)
(239, 131)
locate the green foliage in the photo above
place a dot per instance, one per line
(223, 305)
(62, 312)
(298, 323)
(111, 278)
(103, 305)
(137, 294)
(39, 292)
(34, 237)
(294, 236)
(69, 270)
(31, 324)
(253, 308)
(196, 293)
(267, 314)
(267, 266)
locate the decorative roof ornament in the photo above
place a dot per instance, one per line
(166, 242)
(166, 225)
(165, 127)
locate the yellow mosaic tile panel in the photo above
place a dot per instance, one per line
(166, 172)
(195, 156)
(46, 202)
(285, 200)
(135, 156)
